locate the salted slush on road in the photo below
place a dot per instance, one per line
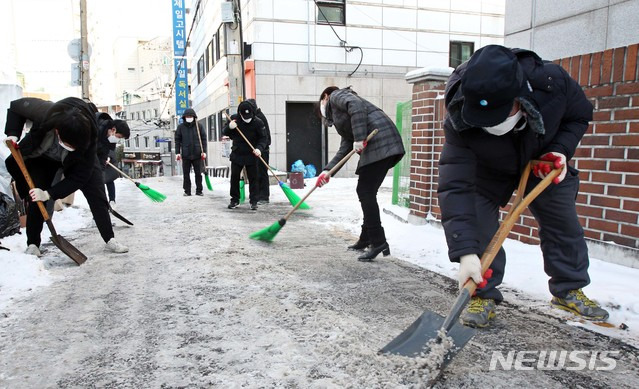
(196, 303)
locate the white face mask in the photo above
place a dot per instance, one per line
(189, 120)
(247, 120)
(113, 139)
(323, 108)
(505, 126)
(68, 148)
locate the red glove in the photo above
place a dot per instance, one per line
(487, 275)
(322, 179)
(559, 162)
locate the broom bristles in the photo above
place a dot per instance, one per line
(242, 194)
(208, 182)
(292, 197)
(267, 234)
(150, 193)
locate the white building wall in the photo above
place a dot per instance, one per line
(295, 59)
(576, 27)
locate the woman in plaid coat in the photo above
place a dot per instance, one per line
(354, 118)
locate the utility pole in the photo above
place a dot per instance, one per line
(84, 50)
(235, 62)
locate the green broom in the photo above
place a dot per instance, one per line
(242, 194)
(292, 197)
(268, 233)
(206, 174)
(150, 193)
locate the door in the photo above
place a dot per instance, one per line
(305, 137)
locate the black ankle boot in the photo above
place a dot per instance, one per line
(374, 252)
(359, 245)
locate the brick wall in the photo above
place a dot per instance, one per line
(607, 157)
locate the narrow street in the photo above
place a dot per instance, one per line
(196, 304)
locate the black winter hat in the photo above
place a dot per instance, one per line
(490, 84)
(246, 110)
(189, 112)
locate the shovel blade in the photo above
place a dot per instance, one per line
(415, 339)
(68, 249)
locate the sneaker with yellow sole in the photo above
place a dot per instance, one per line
(479, 312)
(578, 303)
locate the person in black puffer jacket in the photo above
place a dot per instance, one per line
(63, 136)
(242, 156)
(262, 171)
(109, 133)
(188, 150)
(507, 107)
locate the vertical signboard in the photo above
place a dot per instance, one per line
(179, 61)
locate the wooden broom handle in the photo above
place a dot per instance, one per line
(17, 155)
(253, 148)
(330, 174)
(120, 171)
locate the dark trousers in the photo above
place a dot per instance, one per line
(186, 171)
(251, 173)
(562, 238)
(42, 172)
(110, 175)
(263, 179)
(370, 179)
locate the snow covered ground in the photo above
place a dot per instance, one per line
(334, 208)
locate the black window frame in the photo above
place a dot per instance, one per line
(212, 134)
(221, 42)
(200, 69)
(325, 5)
(455, 52)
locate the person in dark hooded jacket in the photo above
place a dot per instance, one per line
(354, 119)
(63, 136)
(188, 150)
(242, 156)
(505, 108)
(109, 133)
(264, 192)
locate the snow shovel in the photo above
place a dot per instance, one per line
(58, 240)
(206, 174)
(268, 233)
(116, 214)
(429, 331)
(292, 197)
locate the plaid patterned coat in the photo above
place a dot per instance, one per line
(354, 118)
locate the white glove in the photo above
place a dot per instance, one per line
(39, 194)
(13, 139)
(203, 155)
(359, 145)
(469, 267)
(257, 152)
(178, 157)
(232, 125)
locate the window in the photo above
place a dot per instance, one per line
(146, 142)
(155, 112)
(143, 115)
(221, 122)
(212, 135)
(127, 143)
(212, 51)
(155, 141)
(207, 59)
(200, 69)
(132, 115)
(331, 11)
(460, 52)
(138, 115)
(137, 141)
(216, 44)
(221, 33)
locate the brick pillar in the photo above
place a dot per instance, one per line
(426, 140)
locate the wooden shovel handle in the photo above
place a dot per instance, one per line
(17, 155)
(519, 205)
